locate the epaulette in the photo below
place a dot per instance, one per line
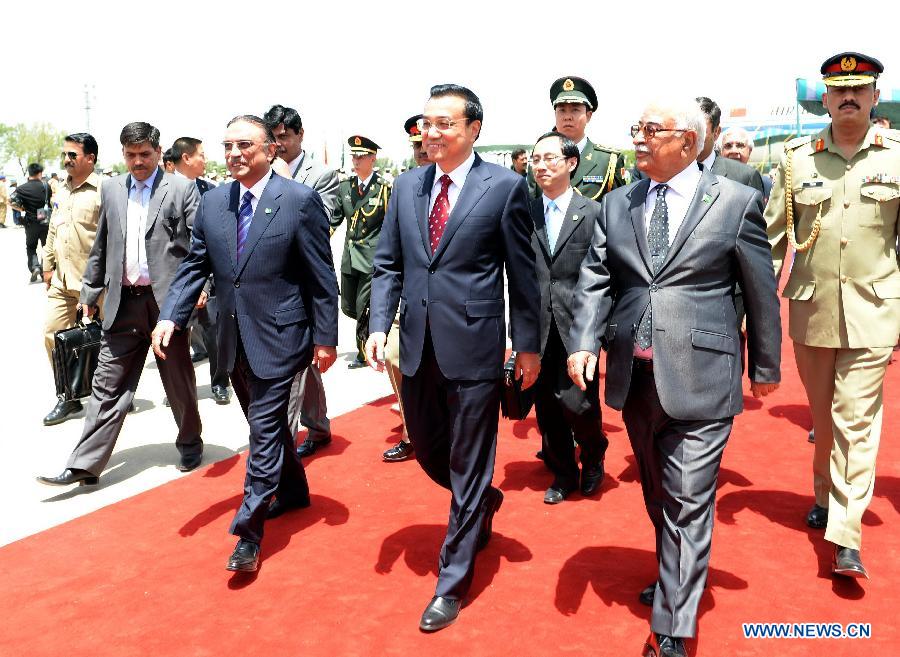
(797, 142)
(607, 149)
(891, 134)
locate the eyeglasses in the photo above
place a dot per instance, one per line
(69, 155)
(243, 146)
(441, 125)
(650, 130)
(549, 160)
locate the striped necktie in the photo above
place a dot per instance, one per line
(245, 217)
(658, 241)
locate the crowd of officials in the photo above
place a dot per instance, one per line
(669, 268)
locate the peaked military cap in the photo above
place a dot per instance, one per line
(850, 69)
(360, 145)
(413, 129)
(573, 90)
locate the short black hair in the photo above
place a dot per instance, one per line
(35, 169)
(184, 146)
(473, 110)
(711, 109)
(255, 120)
(278, 114)
(567, 147)
(138, 132)
(87, 141)
(168, 157)
(516, 153)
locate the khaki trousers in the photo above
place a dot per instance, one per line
(844, 388)
(392, 358)
(61, 307)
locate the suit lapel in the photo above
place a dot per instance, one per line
(421, 201)
(473, 189)
(229, 222)
(638, 196)
(540, 224)
(706, 194)
(266, 210)
(122, 203)
(573, 218)
(157, 195)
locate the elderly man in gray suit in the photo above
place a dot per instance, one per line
(307, 406)
(143, 233)
(656, 290)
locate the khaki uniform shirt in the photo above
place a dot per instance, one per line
(73, 226)
(844, 290)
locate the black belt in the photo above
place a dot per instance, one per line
(644, 365)
(137, 290)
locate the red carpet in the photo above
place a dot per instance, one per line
(351, 575)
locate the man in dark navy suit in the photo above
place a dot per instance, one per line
(265, 239)
(450, 231)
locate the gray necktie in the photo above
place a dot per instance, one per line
(658, 241)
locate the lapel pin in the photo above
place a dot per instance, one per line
(574, 217)
(707, 198)
(268, 210)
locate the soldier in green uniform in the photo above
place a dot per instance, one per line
(601, 169)
(362, 201)
(836, 201)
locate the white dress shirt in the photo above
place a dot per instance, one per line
(582, 144)
(136, 270)
(364, 183)
(294, 164)
(457, 180)
(554, 219)
(708, 162)
(256, 190)
(682, 187)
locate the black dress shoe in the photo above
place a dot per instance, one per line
(812, 436)
(278, 508)
(539, 454)
(199, 357)
(847, 563)
(660, 645)
(221, 395)
(356, 364)
(189, 462)
(309, 446)
(62, 411)
(645, 597)
(439, 613)
(591, 478)
(492, 503)
(71, 476)
(245, 558)
(35, 274)
(399, 452)
(817, 518)
(556, 494)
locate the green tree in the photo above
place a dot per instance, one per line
(215, 167)
(39, 142)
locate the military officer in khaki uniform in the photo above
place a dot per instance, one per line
(70, 237)
(836, 201)
(362, 201)
(600, 169)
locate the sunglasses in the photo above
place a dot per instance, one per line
(69, 155)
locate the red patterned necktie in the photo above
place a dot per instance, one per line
(437, 220)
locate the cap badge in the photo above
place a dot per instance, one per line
(848, 63)
(357, 141)
(568, 85)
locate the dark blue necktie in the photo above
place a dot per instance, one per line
(245, 217)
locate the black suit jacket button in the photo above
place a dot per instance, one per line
(424, 303)
(654, 287)
(237, 283)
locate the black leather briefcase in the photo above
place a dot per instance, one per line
(515, 403)
(75, 354)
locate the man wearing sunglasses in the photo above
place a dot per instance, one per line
(73, 226)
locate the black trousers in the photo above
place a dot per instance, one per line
(35, 232)
(273, 467)
(356, 288)
(565, 413)
(123, 351)
(678, 461)
(203, 333)
(453, 427)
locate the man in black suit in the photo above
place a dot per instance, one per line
(563, 226)
(715, 163)
(143, 233)
(265, 239)
(450, 231)
(656, 286)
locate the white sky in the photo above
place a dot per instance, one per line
(353, 66)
